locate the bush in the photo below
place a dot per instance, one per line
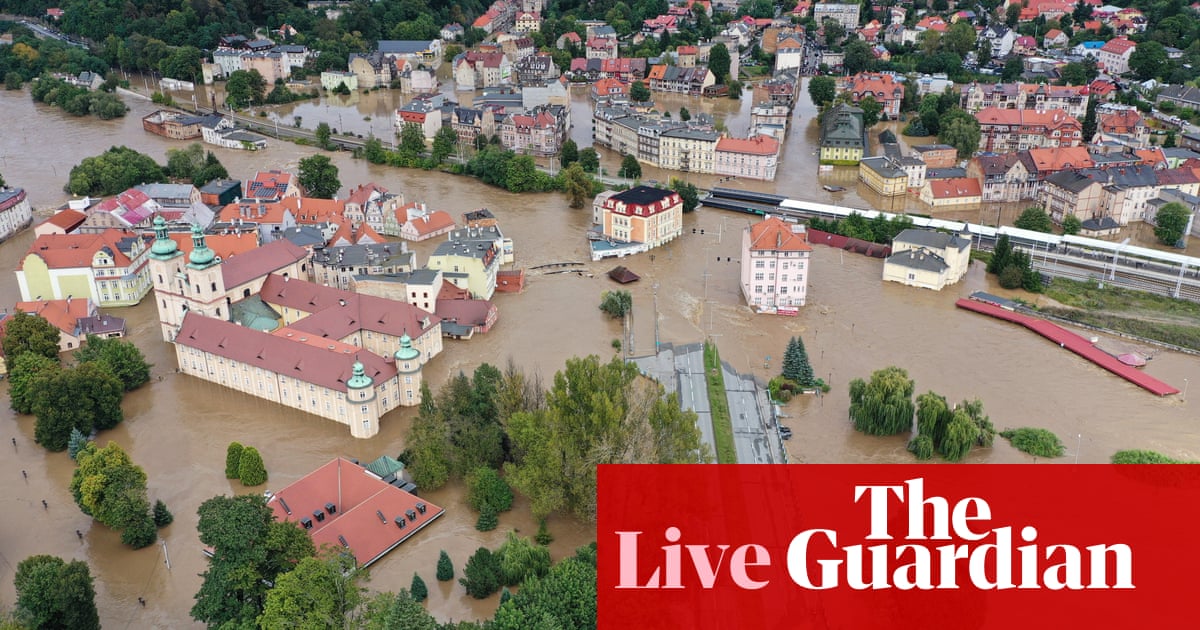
(481, 576)
(488, 491)
(1039, 442)
(162, 516)
(1145, 457)
(1012, 277)
(445, 568)
(140, 532)
(487, 520)
(922, 447)
(233, 460)
(252, 472)
(543, 536)
(418, 589)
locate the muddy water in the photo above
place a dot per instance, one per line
(177, 428)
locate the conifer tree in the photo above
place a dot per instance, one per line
(252, 472)
(445, 568)
(233, 460)
(75, 442)
(418, 589)
(796, 366)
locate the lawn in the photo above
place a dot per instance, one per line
(718, 405)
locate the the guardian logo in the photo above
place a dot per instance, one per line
(975, 555)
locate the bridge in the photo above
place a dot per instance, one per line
(1054, 255)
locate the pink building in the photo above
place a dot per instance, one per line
(775, 258)
(752, 158)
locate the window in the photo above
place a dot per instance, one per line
(407, 379)
(364, 412)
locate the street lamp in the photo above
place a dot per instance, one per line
(1078, 445)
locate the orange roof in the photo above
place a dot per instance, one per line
(1125, 121)
(957, 188)
(657, 72)
(432, 222)
(67, 251)
(349, 235)
(883, 87)
(253, 211)
(1151, 156)
(789, 42)
(1048, 119)
(1058, 158)
(224, 245)
(311, 210)
(63, 314)
(758, 145)
(362, 194)
(776, 235)
(358, 498)
(933, 22)
(1053, 33)
(67, 219)
(688, 50)
(1118, 46)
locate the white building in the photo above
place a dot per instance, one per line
(775, 266)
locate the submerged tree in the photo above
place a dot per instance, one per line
(883, 405)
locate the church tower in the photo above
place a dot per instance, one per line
(182, 286)
(363, 412)
(166, 264)
(408, 364)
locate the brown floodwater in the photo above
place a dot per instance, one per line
(177, 428)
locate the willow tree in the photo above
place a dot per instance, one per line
(961, 434)
(883, 405)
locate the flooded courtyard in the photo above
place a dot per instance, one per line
(177, 428)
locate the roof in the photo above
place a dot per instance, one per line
(260, 262)
(366, 509)
(623, 275)
(225, 246)
(758, 145)
(384, 466)
(1048, 119)
(324, 362)
(269, 185)
(167, 191)
(1054, 34)
(956, 188)
(1123, 121)
(218, 186)
(931, 239)
(642, 195)
(67, 219)
(69, 251)
(1071, 180)
(313, 210)
(885, 167)
(925, 148)
(881, 86)
(358, 255)
(1118, 46)
(63, 314)
(336, 313)
(776, 235)
(995, 164)
(464, 312)
(920, 258)
(431, 222)
(1058, 158)
(402, 46)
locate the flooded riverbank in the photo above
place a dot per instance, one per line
(177, 428)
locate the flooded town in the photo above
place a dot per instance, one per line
(691, 288)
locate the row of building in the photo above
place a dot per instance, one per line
(213, 129)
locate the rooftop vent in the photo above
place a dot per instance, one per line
(319, 515)
(285, 506)
(421, 508)
(331, 508)
(382, 518)
(400, 522)
(306, 522)
(412, 516)
(342, 539)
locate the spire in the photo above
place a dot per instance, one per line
(163, 247)
(359, 380)
(406, 351)
(201, 256)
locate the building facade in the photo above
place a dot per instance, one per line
(928, 259)
(108, 268)
(843, 138)
(775, 266)
(652, 216)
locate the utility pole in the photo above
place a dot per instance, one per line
(166, 558)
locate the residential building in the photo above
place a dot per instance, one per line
(517, 48)
(775, 265)
(1005, 130)
(1054, 38)
(469, 259)
(1123, 126)
(688, 149)
(423, 225)
(339, 266)
(420, 113)
(602, 48)
(680, 80)
(770, 119)
(476, 70)
(1114, 55)
(62, 222)
(642, 214)
(1181, 95)
(418, 80)
(1000, 176)
(269, 64)
(222, 132)
(884, 88)
(271, 218)
(844, 14)
(108, 268)
(789, 53)
(1072, 99)
(369, 203)
(174, 125)
(686, 56)
(928, 259)
(528, 22)
(220, 192)
(15, 212)
(536, 70)
(883, 175)
(130, 210)
(75, 319)
(1001, 39)
(540, 132)
(843, 137)
(609, 89)
(1071, 193)
(752, 158)
(373, 69)
(452, 32)
(419, 287)
(959, 191)
(469, 124)
(272, 185)
(419, 52)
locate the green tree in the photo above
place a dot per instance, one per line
(85, 397)
(688, 193)
(1071, 224)
(162, 516)
(795, 363)
(564, 598)
(321, 592)
(1171, 222)
(213, 169)
(521, 559)
(140, 531)
(373, 151)
(27, 375)
(735, 89)
(1013, 66)
(1169, 142)
(589, 160)
(445, 141)
(487, 490)
(13, 81)
(319, 177)
(487, 521)
(1012, 14)
(577, 184)
(76, 443)
(569, 154)
(481, 575)
(630, 168)
(882, 406)
(110, 488)
(522, 175)
(1073, 74)
(871, 110)
(961, 435)
(251, 470)
(638, 92)
(233, 460)
(429, 445)
(961, 131)
(616, 303)
(121, 358)
(445, 568)
(834, 32)
(418, 589)
(24, 333)
(1036, 219)
(244, 88)
(1000, 254)
(984, 55)
(112, 172)
(684, 114)
(718, 63)
(185, 163)
(1089, 121)
(54, 593)
(1148, 60)
(859, 57)
(822, 90)
(933, 414)
(387, 611)
(249, 550)
(959, 38)
(322, 135)
(1038, 442)
(555, 456)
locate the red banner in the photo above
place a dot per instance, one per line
(899, 546)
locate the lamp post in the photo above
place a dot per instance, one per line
(1078, 445)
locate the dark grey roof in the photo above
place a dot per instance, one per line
(921, 148)
(1132, 176)
(218, 186)
(304, 235)
(842, 126)
(921, 258)
(1103, 223)
(478, 215)
(364, 254)
(931, 239)
(953, 172)
(885, 166)
(402, 46)
(642, 195)
(1070, 180)
(1183, 93)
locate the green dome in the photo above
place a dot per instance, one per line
(359, 380)
(406, 351)
(163, 245)
(201, 255)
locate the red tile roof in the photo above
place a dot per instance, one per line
(260, 262)
(337, 314)
(293, 357)
(957, 188)
(432, 222)
(1124, 122)
(1118, 46)
(68, 251)
(776, 235)
(1054, 33)
(270, 185)
(358, 497)
(224, 245)
(63, 314)
(268, 212)
(1055, 159)
(67, 220)
(758, 145)
(1048, 119)
(1151, 156)
(360, 195)
(311, 210)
